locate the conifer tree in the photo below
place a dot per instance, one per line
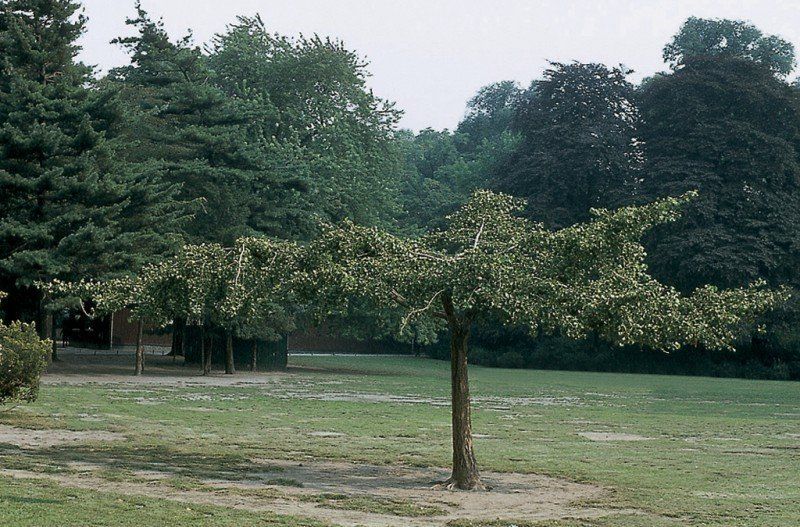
(69, 207)
(195, 135)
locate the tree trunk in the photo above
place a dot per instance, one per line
(176, 340)
(208, 355)
(230, 368)
(139, 349)
(183, 342)
(111, 332)
(203, 349)
(465, 468)
(41, 321)
(254, 355)
(53, 338)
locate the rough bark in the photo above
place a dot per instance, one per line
(465, 468)
(254, 356)
(139, 349)
(230, 368)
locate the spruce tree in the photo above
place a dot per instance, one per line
(201, 138)
(70, 209)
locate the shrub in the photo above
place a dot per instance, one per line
(23, 357)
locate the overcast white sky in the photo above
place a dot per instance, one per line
(430, 56)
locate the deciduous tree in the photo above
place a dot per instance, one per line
(577, 144)
(489, 262)
(700, 37)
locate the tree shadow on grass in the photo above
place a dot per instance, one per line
(23, 500)
(125, 459)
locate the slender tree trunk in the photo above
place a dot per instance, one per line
(111, 332)
(203, 349)
(53, 338)
(41, 320)
(230, 367)
(183, 342)
(254, 355)
(139, 349)
(209, 354)
(176, 339)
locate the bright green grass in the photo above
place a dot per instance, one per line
(721, 452)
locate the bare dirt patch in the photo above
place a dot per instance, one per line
(520, 497)
(30, 439)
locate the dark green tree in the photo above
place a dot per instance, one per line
(731, 38)
(489, 116)
(70, 208)
(730, 129)
(577, 147)
(192, 133)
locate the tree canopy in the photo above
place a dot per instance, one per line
(729, 129)
(732, 38)
(320, 118)
(71, 209)
(577, 146)
(488, 261)
(190, 132)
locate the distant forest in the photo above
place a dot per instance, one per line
(255, 133)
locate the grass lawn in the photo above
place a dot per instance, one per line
(658, 450)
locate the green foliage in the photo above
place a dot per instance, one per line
(731, 38)
(442, 169)
(70, 208)
(577, 147)
(728, 128)
(319, 120)
(245, 288)
(488, 261)
(489, 114)
(188, 131)
(23, 358)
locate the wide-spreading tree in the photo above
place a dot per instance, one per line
(577, 147)
(70, 208)
(590, 277)
(246, 290)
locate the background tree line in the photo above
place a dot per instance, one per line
(261, 134)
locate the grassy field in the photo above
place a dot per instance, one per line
(634, 450)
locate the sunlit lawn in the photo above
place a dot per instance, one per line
(708, 451)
